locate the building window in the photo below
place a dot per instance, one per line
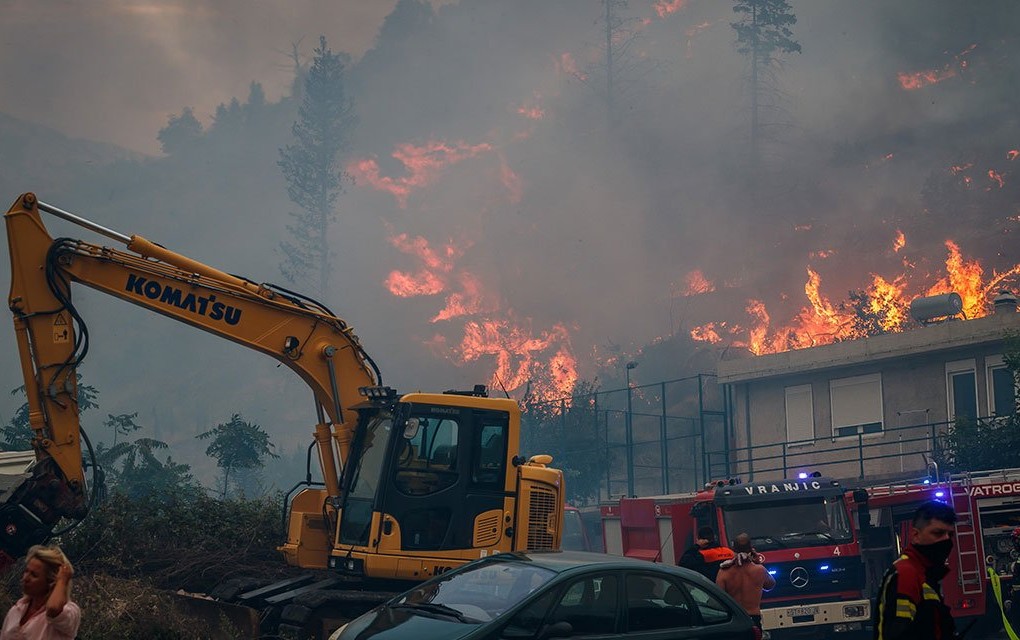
(856, 405)
(1002, 387)
(800, 417)
(961, 387)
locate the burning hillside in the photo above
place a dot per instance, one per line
(881, 306)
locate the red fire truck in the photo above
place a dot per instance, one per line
(987, 506)
(802, 526)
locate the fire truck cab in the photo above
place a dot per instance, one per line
(802, 527)
(987, 506)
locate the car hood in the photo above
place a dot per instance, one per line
(385, 623)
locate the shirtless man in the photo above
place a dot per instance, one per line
(744, 577)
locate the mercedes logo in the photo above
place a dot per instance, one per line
(799, 577)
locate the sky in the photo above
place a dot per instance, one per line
(115, 70)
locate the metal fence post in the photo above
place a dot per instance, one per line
(664, 451)
(860, 453)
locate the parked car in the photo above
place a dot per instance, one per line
(557, 594)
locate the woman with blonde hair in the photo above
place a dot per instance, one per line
(45, 610)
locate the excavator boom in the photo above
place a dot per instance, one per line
(320, 347)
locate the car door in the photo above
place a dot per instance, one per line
(657, 608)
(661, 607)
(585, 607)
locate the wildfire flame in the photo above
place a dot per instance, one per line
(885, 301)
(423, 164)
(668, 7)
(899, 242)
(531, 109)
(541, 361)
(518, 352)
(1012, 154)
(696, 283)
(996, 177)
(921, 79)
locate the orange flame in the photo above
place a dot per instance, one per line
(887, 301)
(423, 164)
(1012, 154)
(667, 7)
(697, 283)
(996, 177)
(427, 281)
(899, 242)
(545, 362)
(406, 285)
(921, 79)
(706, 333)
(531, 109)
(517, 351)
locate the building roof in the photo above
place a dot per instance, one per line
(945, 336)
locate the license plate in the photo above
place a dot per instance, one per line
(796, 612)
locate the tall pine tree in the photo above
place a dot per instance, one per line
(312, 166)
(763, 32)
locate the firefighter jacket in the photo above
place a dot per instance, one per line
(909, 604)
(706, 561)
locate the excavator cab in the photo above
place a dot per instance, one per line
(432, 483)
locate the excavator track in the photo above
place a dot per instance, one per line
(309, 606)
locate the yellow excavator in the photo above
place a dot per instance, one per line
(413, 485)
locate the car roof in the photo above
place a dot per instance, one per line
(561, 561)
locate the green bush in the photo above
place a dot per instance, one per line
(179, 540)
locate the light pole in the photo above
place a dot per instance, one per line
(630, 435)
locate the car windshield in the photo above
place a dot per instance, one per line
(479, 594)
(809, 522)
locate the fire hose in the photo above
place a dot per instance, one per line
(997, 588)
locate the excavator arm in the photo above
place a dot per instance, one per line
(52, 340)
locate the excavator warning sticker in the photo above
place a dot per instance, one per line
(61, 332)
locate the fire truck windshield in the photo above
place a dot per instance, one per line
(779, 524)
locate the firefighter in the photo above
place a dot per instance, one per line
(909, 604)
(706, 555)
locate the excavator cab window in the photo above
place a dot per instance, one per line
(364, 478)
(427, 462)
(490, 459)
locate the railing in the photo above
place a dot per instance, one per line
(889, 452)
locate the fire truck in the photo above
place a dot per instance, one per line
(987, 506)
(803, 527)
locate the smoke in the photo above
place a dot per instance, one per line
(476, 133)
(114, 70)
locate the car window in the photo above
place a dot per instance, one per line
(526, 622)
(589, 605)
(482, 592)
(654, 602)
(711, 608)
